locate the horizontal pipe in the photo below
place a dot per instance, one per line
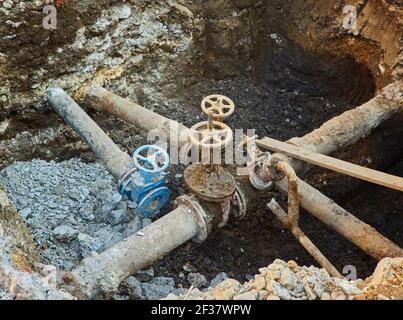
(116, 161)
(352, 125)
(103, 100)
(100, 275)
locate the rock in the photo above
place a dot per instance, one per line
(197, 280)
(133, 226)
(107, 237)
(115, 199)
(347, 287)
(325, 296)
(263, 294)
(26, 213)
(341, 297)
(163, 281)
(116, 217)
(217, 279)
(145, 275)
(387, 270)
(288, 279)
(120, 297)
(171, 297)
(318, 289)
(8, 4)
(272, 274)
(272, 297)
(292, 265)
(65, 233)
(259, 282)
(227, 289)
(88, 244)
(133, 288)
(336, 293)
(189, 268)
(251, 295)
(87, 212)
(276, 288)
(153, 291)
(309, 292)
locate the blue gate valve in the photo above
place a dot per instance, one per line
(143, 184)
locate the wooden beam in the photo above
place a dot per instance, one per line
(350, 169)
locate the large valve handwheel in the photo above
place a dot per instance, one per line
(218, 106)
(216, 137)
(151, 159)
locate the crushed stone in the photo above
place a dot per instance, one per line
(72, 208)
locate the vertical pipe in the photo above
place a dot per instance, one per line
(116, 161)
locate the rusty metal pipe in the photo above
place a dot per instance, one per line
(293, 200)
(291, 219)
(116, 161)
(100, 275)
(103, 100)
(352, 125)
(309, 246)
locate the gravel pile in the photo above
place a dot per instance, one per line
(287, 281)
(5, 296)
(71, 208)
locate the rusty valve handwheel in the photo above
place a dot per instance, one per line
(219, 106)
(216, 137)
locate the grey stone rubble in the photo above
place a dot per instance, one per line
(5, 296)
(150, 289)
(279, 281)
(71, 208)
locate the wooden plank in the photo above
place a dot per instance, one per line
(350, 169)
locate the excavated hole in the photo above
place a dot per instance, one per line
(289, 92)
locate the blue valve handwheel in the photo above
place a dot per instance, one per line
(151, 204)
(156, 159)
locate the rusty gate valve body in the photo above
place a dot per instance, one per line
(218, 106)
(143, 184)
(214, 188)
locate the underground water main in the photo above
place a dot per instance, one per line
(197, 214)
(290, 66)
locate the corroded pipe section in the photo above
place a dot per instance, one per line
(352, 125)
(103, 100)
(303, 239)
(116, 161)
(100, 275)
(291, 219)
